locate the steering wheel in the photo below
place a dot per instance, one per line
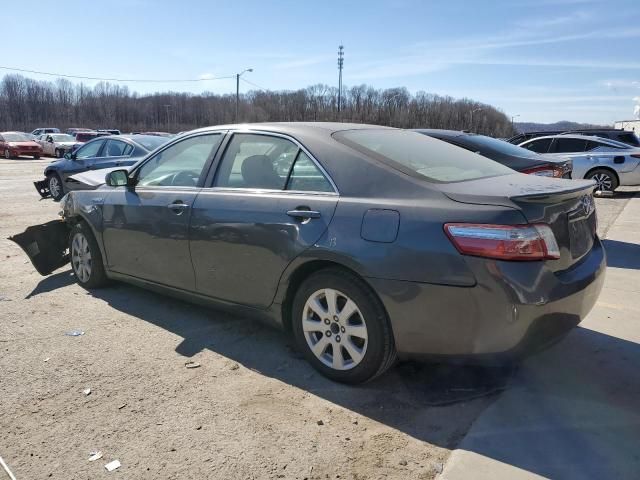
(184, 179)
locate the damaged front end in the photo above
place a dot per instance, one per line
(46, 245)
(42, 187)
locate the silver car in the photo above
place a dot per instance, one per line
(56, 144)
(608, 162)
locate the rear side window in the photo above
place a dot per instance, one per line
(415, 153)
(307, 177)
(538, 146)
(629, 138)
(570, 145)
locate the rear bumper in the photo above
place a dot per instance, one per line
(515, 309)
(42, 187)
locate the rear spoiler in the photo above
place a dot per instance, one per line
(565, 194)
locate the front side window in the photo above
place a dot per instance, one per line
(256, 161)
(570, 145)
(415, 153)
(90, 150)
(181, 164)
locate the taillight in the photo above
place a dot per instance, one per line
(504, 242)
(635, 155)
(544, 171)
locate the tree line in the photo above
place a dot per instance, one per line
(26, 103)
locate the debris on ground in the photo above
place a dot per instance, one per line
(46, 359)
(74, 333)
(6, 469)
(320, 422)
(93, 456)
(86, 391)
(192, 365)
(122, 406)
(111, 466)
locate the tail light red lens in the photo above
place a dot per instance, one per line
(504, 242)
(544, 171)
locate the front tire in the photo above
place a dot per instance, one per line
(55, 186)
(606, 180)
(342, 328)
(86, 258)
(36, 157)
(7, 154)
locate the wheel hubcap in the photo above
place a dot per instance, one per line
(81, 257)
(603, 181)
(54, 186)
(335, 329)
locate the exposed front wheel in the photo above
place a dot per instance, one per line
(86, 259)
(342, 327)
(606, 181)
(55, 186)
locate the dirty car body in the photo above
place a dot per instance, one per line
(418, 222)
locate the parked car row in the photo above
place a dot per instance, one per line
(367, 243)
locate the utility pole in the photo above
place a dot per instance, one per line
(340, 65)
(471, 115)
(167, 107)
(238, 75)
(512, 118)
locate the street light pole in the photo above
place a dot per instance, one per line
(512, 118)
(471, 116)
(238, 89)
(167, 107)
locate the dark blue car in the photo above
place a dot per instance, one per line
(102, 152)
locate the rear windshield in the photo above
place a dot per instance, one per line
(414, 152)
(483, 143)
(629, 138)
(150, 142)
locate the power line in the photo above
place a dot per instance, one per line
(141, 80)
(253, 84)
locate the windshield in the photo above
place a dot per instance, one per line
(435, 160)
(16, 137)
(151, 143)
(61, 137)
(484, 143)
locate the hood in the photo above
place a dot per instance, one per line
(30, 143)
(95, 178)
(65, 144)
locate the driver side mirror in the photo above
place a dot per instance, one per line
(70, 156)
(118, 178)
(50, 140)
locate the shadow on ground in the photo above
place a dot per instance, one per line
(622, 254)
(592, 377)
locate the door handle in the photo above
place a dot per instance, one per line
(301, 213)
(178, 207)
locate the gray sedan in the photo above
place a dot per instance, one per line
(367, 243)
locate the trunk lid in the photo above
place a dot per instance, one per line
(567, 206)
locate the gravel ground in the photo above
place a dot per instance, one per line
(253, 409)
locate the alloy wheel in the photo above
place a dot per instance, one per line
(7, 154)
(81, 257)
(603, 181)
(54, 186)
(335, 329)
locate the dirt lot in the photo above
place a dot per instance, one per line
(253, 409)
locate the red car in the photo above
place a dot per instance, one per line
(15, 144)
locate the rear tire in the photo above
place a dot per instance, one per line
(7, 154)
(55, 186)
(605, 179)
(342, 328)
(86, 258)
(36, 157)
(58, 153)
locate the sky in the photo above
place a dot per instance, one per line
(537, 60)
